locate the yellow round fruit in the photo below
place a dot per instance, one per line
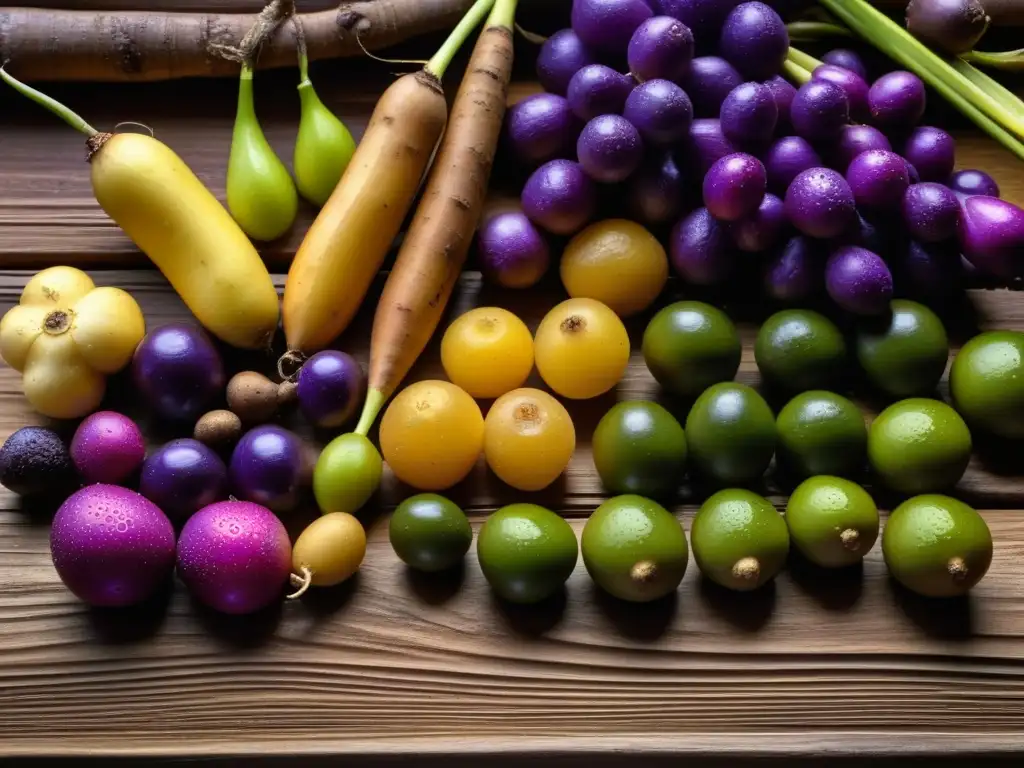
(431, 435)
(487, 351)
(617, 262)
(581, 349)
(528, 439)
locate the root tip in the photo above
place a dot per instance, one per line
(303, 582)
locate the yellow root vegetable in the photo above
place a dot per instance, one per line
(177, 222)
(327, 552)
(65, 336)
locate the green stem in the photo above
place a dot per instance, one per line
(439, 61)
(503, 14)
(40, 98)
(795, 72)
(374, 402)
(300, 49)
(803, 60)
(246, 105)
(990, 86)
(1011, 61)
(815, 30)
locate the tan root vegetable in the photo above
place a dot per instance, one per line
(346, 244)
(145, 45)
(438, 240)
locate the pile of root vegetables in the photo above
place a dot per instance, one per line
(700, 115)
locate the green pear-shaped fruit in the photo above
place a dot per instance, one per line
(261, 193)
(323, 147)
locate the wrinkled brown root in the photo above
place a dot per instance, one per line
(302, 582)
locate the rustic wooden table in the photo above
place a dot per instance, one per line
(391, 665)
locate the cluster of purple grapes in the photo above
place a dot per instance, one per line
(807, 178)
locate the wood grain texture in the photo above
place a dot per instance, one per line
(395, 664)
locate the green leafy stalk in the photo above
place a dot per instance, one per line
(989, 85)
(795, 72)
(1010, 61)
(807, 31)
(803, 60)
(439, 61)
(503, 14)
(54, 106)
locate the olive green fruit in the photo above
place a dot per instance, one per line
(347, 473)
(799, 349)
(822, 433)
(739, 540)
(639, 447)
(323, 146)
(429, 532)
(730, 433)
(908, 355)
(919, 446)
(261, 195)
(526, 552)
(690, 345)
(634, 549)
(936, 546)
(832, 521)
(986, 381)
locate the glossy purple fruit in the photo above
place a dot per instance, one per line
(864, 233)
(931, 212)
(703, 17)
(762, 229)
(234, 557)
(330, 388)
(610, 148)
(931, 151)
(660, 48)
(795, 272)
(934, 271)
(705, 145)
(708, 83)
(541, 127)
(854, 139)
(35, 461)
(655, 191)
(107, 448)
(754, 40)
(560, 197)
(915, 177)
(598, 90)
(897, 100)
(749, 115)
(992, 235)
(819, 111)
(607, 25)
(820, 203)
(844, 57)
(734, 186)
(700, 249)
(973, 182)
(178, 372)
(879, 179)
(786, 158)
(783, 92)
(858, 280)
(661, 111)
(183, 476)
(270, 466)
(853, 86)
(562, 55)
(511, 251)
(111, 547)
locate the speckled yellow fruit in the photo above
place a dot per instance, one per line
(432, 434)
(617, 262)
(329, 550)
(581, 349)
(488, 351)
(528, 439)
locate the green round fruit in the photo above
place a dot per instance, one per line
(832, 521)
(799, 349)
(639, 447)
(690, 345)
(936, 546)
(739, 540)
(908, 356)
(634, 549)
(346, 474)
(986, 381)
(730, 433)
(919, 446)
(526, 552)
(429, 532)
(822, 433)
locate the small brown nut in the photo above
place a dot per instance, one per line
(218, 429)
(253, 397)
(287, 392)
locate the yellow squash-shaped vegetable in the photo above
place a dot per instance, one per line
(178, 223)
(65, 336)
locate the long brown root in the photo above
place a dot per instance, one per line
(46, 44)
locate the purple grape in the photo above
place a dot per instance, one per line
(735, 186)
(934, 270)
(820, 203)
(858, 280)
(703, 17)
(878, 179)
(854, 139)
(786, 158)
(541, 127)
(660, 49)
(598, 90)
(610, 148)
(705, 145)
(512, 252)
(973, 182)
(331, 388)
(853, 86)
(749, 114)
(755, 40)
(562, 56)
(847, 59)
(607, 25)
(560, 197)
(655, 191)
(931, 151)
(708, 83)
(700, 249)
(865, 234)
(897, 100)
(915, 177)
(819, 111)
(661, 111)
(762, 229)
(783, 92)
(795, 272)
(931, 212)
